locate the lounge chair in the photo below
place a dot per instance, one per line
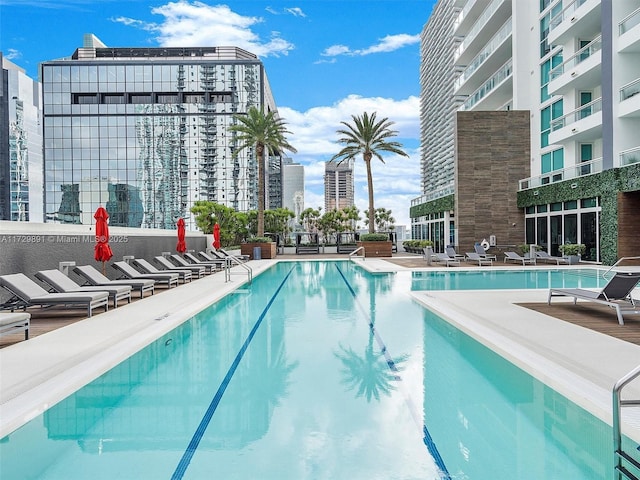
(12, 322)
(27, 293)
(479, 249)
(169, 279)
(197, 271)
(451, 252)
(617, 293)
(474, 257)
(63, 284)
(181, 262)
(514, 257)
(222, 254)
(147, 267)
(444, 258)
(545, 257)
(195, 260)
(95, 277)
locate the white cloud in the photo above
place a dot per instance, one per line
(395, 182)
(389, 43)
(194, 24)
(295, 11)
(13, 54)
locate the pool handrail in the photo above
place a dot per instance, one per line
(353, 254)
(227, 268)
(622, 458)
(620, 260)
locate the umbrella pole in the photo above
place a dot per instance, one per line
(103, 268)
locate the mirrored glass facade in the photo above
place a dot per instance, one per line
(144, 132)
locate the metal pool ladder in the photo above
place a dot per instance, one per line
(623, 460)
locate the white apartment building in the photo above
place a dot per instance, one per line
(575, 67)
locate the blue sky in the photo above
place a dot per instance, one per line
(325, 60)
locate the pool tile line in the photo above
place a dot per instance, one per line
(427, 439)
(190, 451)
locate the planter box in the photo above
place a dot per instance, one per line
(267, 250)
(376, 249)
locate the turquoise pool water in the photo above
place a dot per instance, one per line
(317, 370)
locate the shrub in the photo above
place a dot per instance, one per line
(572, 249)
(259, 240)
(374, 237)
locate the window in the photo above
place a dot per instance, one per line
(140, 98)
(113, 98)
(85, 98)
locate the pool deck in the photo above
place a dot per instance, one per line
(581, 363)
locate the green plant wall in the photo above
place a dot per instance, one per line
(605, 185)
(443, 204)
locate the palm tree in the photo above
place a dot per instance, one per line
(264, 132)
(367, 137)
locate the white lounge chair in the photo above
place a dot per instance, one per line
(63, 284)
(181, 262)
(169, 279)
(12, 322)
(545, 257)
(514, 257)
(95, 277)
(479, 249)
(27, 293)
(196, 261)
(444, 258)
(617, 294)
(197, 271)
(146, 267)
(474, 257)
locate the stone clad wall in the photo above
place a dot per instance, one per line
(492, 154)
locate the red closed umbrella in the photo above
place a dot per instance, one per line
(102, 252)
(181, 247)
(216, 236)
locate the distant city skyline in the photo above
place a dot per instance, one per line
(326, 61)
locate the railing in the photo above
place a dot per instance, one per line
(353, 254)
(442, 192)
(463, 13)
(583, 112)
(229, 260)
(623, 460)
(565, 13)
(630, 89)
(580, 56)
(502, 74)
(629, 157)
(620, 261)
(485, 53)
(575, 171)
(628, 22)
(477, 26)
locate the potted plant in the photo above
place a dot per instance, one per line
(266, 246)
(572, 252)
(375, 244)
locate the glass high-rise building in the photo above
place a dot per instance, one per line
(144, 132)
(20, 145)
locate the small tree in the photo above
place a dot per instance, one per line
(309, 219)
(367, 137)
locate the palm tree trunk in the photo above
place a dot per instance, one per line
(367, 161)
(260, 152)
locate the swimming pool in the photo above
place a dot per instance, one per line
(317, 370)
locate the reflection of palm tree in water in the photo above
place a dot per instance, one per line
(373, 372)
(274, 382)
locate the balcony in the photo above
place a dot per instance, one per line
(581, 125)
(575, 171)
(580, 71)
(630, 100)
(629, 33)
(629, 157)
(496, 13)
(580, 18)
(495, 92)
(492, 56)
(467, 17)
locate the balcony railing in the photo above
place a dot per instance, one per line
(477, 26)
(463, 13)
(629, 157)
(579, 170)
(443, 192)
(502, 74)
(581, 113)
(580, 56)
(565, 13)
(486, 52)
(629, 22)
(630, 89)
